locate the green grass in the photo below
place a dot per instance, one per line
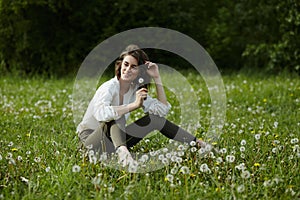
(38, 145)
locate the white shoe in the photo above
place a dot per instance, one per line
(125, 157)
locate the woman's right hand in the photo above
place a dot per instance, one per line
(141, 94)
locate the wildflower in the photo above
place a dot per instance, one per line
(180, 153)
(185, 170)
(192, 143)
(144, 158)
(245, 174)
(174, 170)
(47, 169)
(165, 161)
(204, 168)
(240, 166)
(219, 160)
(19, 158)
(28, 152)
(168, 155)
(242, 148)
(133, 167)
(178, 159)
(256, 164)
(240, 188)
(180, 148)
(37, 159)
(275, 124)
(14, 149)
(294, 140)
(160, 157)
(230, 158)
(76, 168)
(193, 149)
(257, 136)
(223, 150)
(274, 150)
(10, 144)
(169, 178)
(243, 142)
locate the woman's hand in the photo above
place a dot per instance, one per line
(141, 94)
(152, 69)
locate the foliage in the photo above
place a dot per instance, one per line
(53, 37)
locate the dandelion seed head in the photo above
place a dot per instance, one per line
(204, 168)
(230, 158)
(184, 170)
(257, 136)
(169, 178)
(243, 142)
(245, 174)
(47, 169)
(240, 188)
(76, 168)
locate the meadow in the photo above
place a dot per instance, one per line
(256, 157)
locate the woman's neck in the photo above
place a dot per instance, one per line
(124, 86)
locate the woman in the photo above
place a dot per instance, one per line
(103, 128)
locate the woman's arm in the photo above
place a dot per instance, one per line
(154, 73)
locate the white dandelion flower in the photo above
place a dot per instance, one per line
(219, 160)
(133, 167)
(294, 141)
(37, 159)
(180, 148)
(184, 170)
(204, 168)
(169, 178)
(168, 155)
(240, 188)
(47, 169)
(257, 136)
(242, 149)
(161, 156)
(19, 158)
(223, 150)
(178, 159)
(230, 158)
(193, 149)
(174, 170)
(76, 168)
(243, 142)
(192, 143)
(165, 161)
(245, 174)
(180, 153)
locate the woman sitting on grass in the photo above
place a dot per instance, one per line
(103, 128)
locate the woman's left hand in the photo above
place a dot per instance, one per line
(152, 69)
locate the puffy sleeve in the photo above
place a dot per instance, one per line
(102, 103)
(154, 106)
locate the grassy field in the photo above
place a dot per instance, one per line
(258, 157)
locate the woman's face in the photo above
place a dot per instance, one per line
(129, 68)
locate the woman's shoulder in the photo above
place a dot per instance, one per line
(111, 85)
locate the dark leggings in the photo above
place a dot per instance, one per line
(115, 133)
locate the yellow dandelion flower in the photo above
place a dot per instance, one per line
(291, 94)
(14, 149)
(218, 189)
(214, 143)
(264, 100)
(256, 164)
(192, 175)
(28, 134)
(253, 131)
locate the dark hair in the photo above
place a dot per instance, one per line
(141, 57)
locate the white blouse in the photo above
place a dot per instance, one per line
(101, 109)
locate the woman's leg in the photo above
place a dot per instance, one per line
(99, 141)
(140, 128)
